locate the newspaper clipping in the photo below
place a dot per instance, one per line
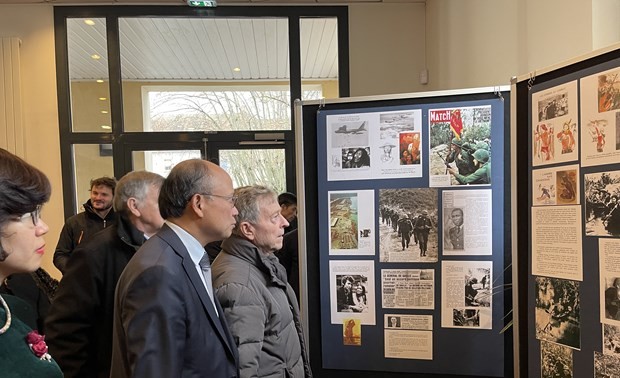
(467, 222)
(600, 118)
(557, 242)
(554, 119)
(352, 284)
(374, 145)
(408, 336)
(466, 294)
(351, 226)
(408, 288)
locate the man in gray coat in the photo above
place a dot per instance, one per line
(259, 305)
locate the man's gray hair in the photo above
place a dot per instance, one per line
(134, 184)
(248, 203)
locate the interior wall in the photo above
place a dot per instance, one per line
(34, 25)
(471, 43)
(387, 48)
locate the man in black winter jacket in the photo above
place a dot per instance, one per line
(80, 319)
(97, 215)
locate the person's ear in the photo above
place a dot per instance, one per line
(247, 230)
(132, 206)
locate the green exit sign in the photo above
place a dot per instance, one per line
(202, 3)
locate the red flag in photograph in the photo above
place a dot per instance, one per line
(456, 123)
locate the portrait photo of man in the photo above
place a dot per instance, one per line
(454, 236)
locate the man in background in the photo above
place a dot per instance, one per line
(97, 215)
(167, 323)
(79, 323)
(288, 206)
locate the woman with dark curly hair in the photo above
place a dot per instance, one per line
(23, 190)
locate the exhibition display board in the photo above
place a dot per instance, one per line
(568, 172)
(406, 234)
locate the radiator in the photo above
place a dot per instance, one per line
(11, 117)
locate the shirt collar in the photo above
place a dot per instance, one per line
(196, 251)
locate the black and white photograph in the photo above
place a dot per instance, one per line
(553, 106)
(347, 134)
(556, 361)
(558, 311)
(606, 365)
(478, 288)
(358, 157)
(611, 339)
(466, 317)
(351, 294)
(352, 290)
(602, 211)
(394, 321)
(611, 296)
(454, 228)
(408, 225)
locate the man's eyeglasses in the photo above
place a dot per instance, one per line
(231, 199)
(34, 215)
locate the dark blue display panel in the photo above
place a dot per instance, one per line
(566, 329)
(469, 350)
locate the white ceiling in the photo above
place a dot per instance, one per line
(204, 49)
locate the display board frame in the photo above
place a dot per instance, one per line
(549, 328)
(309, 116)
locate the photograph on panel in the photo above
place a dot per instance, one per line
(348, 146)
(399, 144)
(611, 340)
(600, 118)
(408, 289)
(467, 222)
(408, 336)
(556, 186)
(351, 222)
(556, 361)
(352, 332)
(408, 226)
(554, 124)
(375, 145)
(557, 311)
(602, 211)
(460, 146)
(466, 294)
(609, 276)
(352, 291)
(606, 365)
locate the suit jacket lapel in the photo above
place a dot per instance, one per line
(167, 234)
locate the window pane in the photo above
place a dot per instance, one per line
(90, 161)
(88, 75)
(187, 74)
(319, 58)
(250, 167)
(161, 162)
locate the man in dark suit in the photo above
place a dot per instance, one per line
(167, 323)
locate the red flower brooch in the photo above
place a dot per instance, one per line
(37, 344)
